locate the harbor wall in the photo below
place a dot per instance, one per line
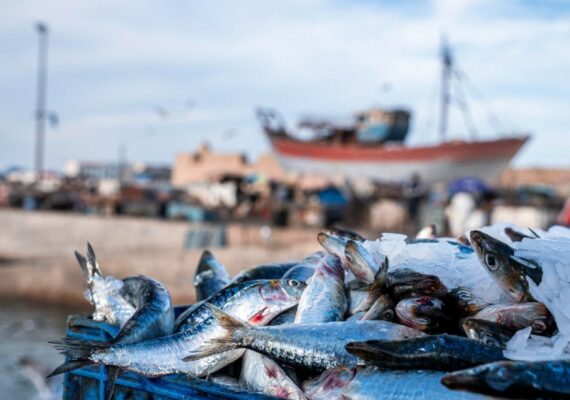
(37, 261)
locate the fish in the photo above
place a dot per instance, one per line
(424, 313)
(163, 356)
(324, 299)
(334, 245)
(261, 374)
(257, 301)
(312, 346)
(508, 272)
(345, 233)
(436, 352)
(104, 292)
(383, 308)
(487, 332)
(466, 302)
(211, 276)
(367, 383)
(286, 317)
(404, 283)
(306, 267)
(361, 262)
(361, 295)
(518, 316)
(265, 271)
(154, 317)
(544, 379)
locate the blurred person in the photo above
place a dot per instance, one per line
(413, 191)
(464, 213)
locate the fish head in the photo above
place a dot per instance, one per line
(497, 257)
(360, 261)
(331, 243)
(497, 376)
(482, 331)
(329, 384)
(424, 313)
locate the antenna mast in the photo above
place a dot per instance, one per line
(447, 65)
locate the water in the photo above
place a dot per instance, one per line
(25, 330)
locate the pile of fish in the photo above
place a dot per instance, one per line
(388, 318)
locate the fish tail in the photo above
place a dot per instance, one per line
(69, 366)
(93, 260)
(229, 341)
(112, 374)
(78, 350)
(372, 351)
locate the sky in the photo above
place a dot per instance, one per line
(159, 78)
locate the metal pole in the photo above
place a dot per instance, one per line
(445, 77)
(42, 30)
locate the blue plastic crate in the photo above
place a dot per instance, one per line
(89, 383)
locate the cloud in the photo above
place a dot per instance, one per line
(111, 63)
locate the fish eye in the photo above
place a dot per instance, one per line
(293, 283)
(491, 261)
(348, 257)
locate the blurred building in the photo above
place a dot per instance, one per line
(205, 165)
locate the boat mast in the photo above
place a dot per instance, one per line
(447, 64)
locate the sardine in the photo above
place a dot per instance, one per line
(345, 233)
(261, 374)
(424, 313)
(404, 283)
(154, 317)
(306, 267)
(324, 299)
(438, 352)
(466, 302)
(542, 379)
(367, 383)
(286, 317)
(162, 356)
(487, 332)
(508, 272)
(516, 236)
(265, 271)
(361, 262)
(361, 295)
(518, 316)
(256, 301)
(334, 245)
(383, 308)
(210, 277)
(317, 346)
(104, 292)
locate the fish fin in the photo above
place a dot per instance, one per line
(536, 235)
(69, 366)
(82, 263)
(93, 260)
(371, 351)
(382, 274)
(221, 344)
(77, 349)
(112, 374)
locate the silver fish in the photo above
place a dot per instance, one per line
(154, 318)
(104, 292)
(265, 271)
(211, 276)
(507, 271)
(466, 302)
(424, 313)
(383, 308)
(367, 383)
(361, 295)
(324, 299)
(162, 356)
(316, 346)
(255, 301)
(518, 316)
(487, 332)
(306, 267)
(263, 375)
(345, 233)
(362, 263)
(334, 245)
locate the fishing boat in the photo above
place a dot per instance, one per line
(372, 145)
